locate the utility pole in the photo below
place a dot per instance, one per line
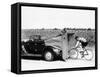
(65, 45)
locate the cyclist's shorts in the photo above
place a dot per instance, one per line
(84, 44)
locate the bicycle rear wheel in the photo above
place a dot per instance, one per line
(73, 53)
(88, 55)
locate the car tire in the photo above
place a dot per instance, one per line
(48, 55)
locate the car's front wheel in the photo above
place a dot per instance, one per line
(48, 55)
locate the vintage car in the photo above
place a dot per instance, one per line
(36, 47)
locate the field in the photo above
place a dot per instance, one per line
(89, 34)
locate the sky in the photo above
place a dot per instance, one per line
(49, 18)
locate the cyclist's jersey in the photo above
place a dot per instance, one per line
(81, 39)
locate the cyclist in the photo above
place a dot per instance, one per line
(81, 44)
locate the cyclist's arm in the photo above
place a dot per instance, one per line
(77, 44)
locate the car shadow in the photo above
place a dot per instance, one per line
(31, 58)
(37, 58)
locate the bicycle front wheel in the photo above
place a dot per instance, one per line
(88, 55)
(73, 53)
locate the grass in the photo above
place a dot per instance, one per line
(89, 34)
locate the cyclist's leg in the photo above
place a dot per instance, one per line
(82, 51)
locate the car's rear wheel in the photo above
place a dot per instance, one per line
(48, 55)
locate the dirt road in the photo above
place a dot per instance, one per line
(69, 63)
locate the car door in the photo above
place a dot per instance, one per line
(29, 46)
(40, 46)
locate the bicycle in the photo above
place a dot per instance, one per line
(87, 54)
